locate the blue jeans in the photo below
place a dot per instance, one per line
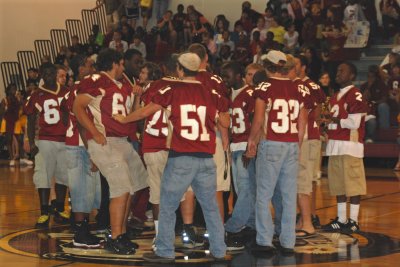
(276, 169)
(384, 115)
(370, 129)
(159, 7)
(179, 174)
(84, 185)
(245, 185)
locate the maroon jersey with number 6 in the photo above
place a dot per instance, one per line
(192, 115)
(46, 104)
(284, 102)
(109, 97)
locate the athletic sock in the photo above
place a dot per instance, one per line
(156, 226)
(60, 206)
(44, 210)
(354, 210)
(341, 211)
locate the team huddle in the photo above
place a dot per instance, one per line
(264, 123)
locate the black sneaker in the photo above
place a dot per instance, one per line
(351, 227)
(259, 248)
(333, 226)
(61, 217)
(118, 246)
(233, 241)
(128, 242)
(189, 237)
(153, 257)
(315, 221)
(83, 238)
(43, 221)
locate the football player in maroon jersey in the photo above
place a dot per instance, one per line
(50, 161)
(212, 83)
(310, 150)
(279, 119)
(190, 158)
(83, 178)
(345, 149)
(243, 173)
(105, 95)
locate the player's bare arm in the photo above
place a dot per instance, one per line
(302, 123)
(256, 127)
(224, 119)
(139, 114)
(79, 109)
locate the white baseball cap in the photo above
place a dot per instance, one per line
(275, 56)
(189, 60)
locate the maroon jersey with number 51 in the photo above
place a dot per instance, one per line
(192, 115)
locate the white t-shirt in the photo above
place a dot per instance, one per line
(291, 40)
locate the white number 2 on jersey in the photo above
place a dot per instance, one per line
(335, 114)
(153, 131)
(288, 112)
(193, 132)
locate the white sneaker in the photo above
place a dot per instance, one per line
(153, 245)
(12, 163)
(369, 141)
(26, 161)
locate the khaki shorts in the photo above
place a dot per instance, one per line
(309, 159)
(346, 176)
(155, 162)
(120, 164)
(223, 167)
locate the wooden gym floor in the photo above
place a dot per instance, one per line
(377, 245)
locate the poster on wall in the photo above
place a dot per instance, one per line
(358, 34)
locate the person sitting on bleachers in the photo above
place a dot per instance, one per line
(376, 93)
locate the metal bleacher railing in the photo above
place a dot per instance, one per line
(16, 72)
(27, 60)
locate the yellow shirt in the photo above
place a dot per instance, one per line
(278, 33)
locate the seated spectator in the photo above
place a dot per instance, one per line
(178, 21)
(257, 57)
(145, 11)
(277, 30)
(33, 76)
(260, 28)
(314, 63)
(395, 49)
(242, 53)
(191, 10)
(210, 44)
(221, 24)
(297, 12)
(253, 15)
(309, 32)
(166, 29)
(255, 43)
(138, 45)
(195, 28)
(117, 43)
(390, 11)
(127, 33)
(246, 22)
(224, 55)
(131, 8)
(108, 37)
(376, 93)
(97, 35)
(268, 17)
(226, 41)
(270, 43)
(76, 47)
(285, 19)
(237, 30)
(325, 84)
(291, 40)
